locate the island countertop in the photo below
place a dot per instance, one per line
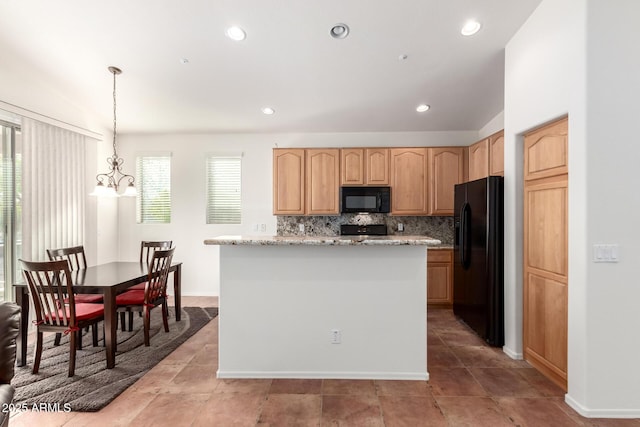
(391, 240)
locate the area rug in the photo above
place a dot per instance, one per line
(93, 386)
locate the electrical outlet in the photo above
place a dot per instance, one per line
(263, 227)
(301, 228)
(400, 226)
(336, 336)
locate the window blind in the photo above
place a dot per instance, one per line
(223, 190)
(153, 205)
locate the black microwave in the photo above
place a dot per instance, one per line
(365, 199)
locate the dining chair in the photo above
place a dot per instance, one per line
(153, 295)
(147, 249)
(51, 290)
(77, 261)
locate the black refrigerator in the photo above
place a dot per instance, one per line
(478, 267)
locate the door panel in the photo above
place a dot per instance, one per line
(546, 251)
(377, 169)
(288, 181)
(546, 227)
(546, 151)
(323, 181)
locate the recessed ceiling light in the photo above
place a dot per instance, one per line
(268, 110)
(339, 31)
(470, 28)
(422, 108)
(236, 33)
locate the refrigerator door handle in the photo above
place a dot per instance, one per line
(464, 235)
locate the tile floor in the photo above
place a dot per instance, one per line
(471, 385)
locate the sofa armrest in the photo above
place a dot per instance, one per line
(6, 396)
(9, 322)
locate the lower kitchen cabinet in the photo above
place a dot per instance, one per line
(440, 277)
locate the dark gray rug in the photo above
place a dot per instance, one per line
(93, 386)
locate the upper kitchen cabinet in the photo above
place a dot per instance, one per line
(323, 181)
(496, 154)
(446, 170)
(352, 166)
(409, 189)
(364, 166)
(288, 181)
(486, 157)
(479, 160)
(546, 151)
(377, 166)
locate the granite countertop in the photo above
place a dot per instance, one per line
(324, 240)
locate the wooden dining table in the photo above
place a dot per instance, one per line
(107, 279)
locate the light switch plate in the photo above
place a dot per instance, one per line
(605, 253)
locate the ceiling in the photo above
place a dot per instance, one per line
(288, 61)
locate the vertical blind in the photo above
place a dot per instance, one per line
(153, 205)
(53, 188)
(223, 190)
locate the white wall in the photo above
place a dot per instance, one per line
(571, 57)
(188, 229)
(612, 204)
(495, 125)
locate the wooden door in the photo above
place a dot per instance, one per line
(479, 160)
(409, 181)
(288, 181)
(323, 181)
(546, 251)
(446, 170)
(352, 163)
(377, 166)
(439, 276)
(496, 154)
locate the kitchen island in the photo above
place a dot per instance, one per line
(323, 307)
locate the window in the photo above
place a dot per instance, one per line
(10, 206)
(223, 190)
(153, 204)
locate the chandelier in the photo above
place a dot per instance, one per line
(107, 184)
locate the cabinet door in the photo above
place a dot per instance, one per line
(352, 166)
(479, 160)
(446, 171)
(439, 277)
(323, 181)
(496, 154)
(409, 181)
(377, 166)
(546, 151)
(288, 181)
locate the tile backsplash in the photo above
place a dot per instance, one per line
(439, 227)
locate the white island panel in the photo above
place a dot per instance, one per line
(279, 304)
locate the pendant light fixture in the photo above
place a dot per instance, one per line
(107, 184)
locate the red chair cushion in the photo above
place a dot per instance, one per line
(138, 287)
(83, 311)
(130, 298)
(86, 298)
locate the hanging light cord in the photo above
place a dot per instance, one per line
(115, 71)
(115, 174)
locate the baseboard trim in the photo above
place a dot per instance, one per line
(512, 354)
(600, 413)
(417, 376)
